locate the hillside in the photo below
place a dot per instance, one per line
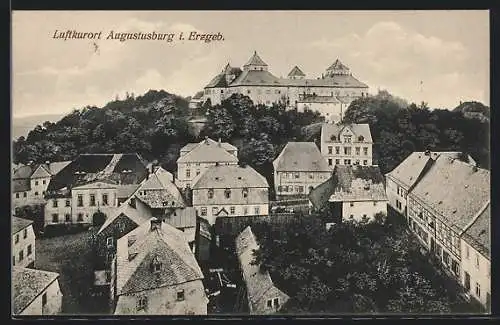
(474, 110)
(22, 125)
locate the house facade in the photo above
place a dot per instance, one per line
(35, 292)
(347, 144)
(156, 273)
(262, 296)
(23, 243)
(257, 82)
(196, 158)
(230, 191)
(352, 193)
(298, 169)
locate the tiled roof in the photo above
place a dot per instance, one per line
(411, 169)
(160, 198)
(478, 235)
(24, 172)
(125, 191)
(182, 218)
(168, 245)
(296, 72)
(257, 282)
(337, 65)
(328, 130)
(21, 185)
(123, 168)
(56, 167)
(41, 171)
(230, 176)
(255, 60)
(454, 189)
(257, 78)
(27, 285)
(226, 145)
(219, 81)
(19, 224)
(301, 156)
(208, 151)
(350, 183)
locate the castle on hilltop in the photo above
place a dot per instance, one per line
(329, 94)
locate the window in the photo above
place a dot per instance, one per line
(439, 250)
(330, 150)
(25, 233)
(142, 303)
(227, 193)
(54, 203)
(109, 242)
(467, 281)
(454, 267)
(446, 258)
(44, 299)
(347, 139)
(43, 182)
(92, 200)
(14, 260)
(347, 150)
(257, 210)
(188, 173)
(17, 195)
(21, 255)
(478, 290)
(347, 161)
(55, 217)
(67, 217)
(269, 303)
(365, 151)
(477, 261)
(180, 295)
(311, 175)
(80, 200)
(104, 199)
(337, 161)
(276, 302)
(79, 217)
(301, 189)
(36, 183)
(36, 193)
(245, 210)
(357, 151)
(297, 175)
(361, 138)
(214, 210)
(337, 150)
(197, 172)
(155, 264)
(203, 211)
(28, 253)
(68, 203)
(248, 91)
(329, 162)
(232, 210)
(467, 251)
(17, 238)
(352, 204)
(210, 193)
(245, 192)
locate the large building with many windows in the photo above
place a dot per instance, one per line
(336, 87)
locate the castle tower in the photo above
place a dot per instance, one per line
(337, 68)
(255, 63)
(296, 73)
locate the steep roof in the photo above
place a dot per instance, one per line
(190, 146)
(350, 183)
(257, 78)
(24, 171)
(478, 235)
(454, 189)
(296, 72)
(328, 130)
(125, 169)
(255, 60)
(257, 282)
(411, 169)
(21, 185)
(167, 245)
(230, 176)
(337, 65)
(208, 151)
(301, 156)
(19, 224)
(219, 81)
(27, 285)
(57, 166)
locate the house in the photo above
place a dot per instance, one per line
(35, 292)
(443, 206)
(331, 107)
(196, 158)
(92, 183)
(23, 242)
(353, 192)
(196, 101)
(475, 246)
(155, 273)
(299, 168)
(346, 144)
(262, 296)
(29, 182)
(262, 87)
(230, 190)
(401, 180)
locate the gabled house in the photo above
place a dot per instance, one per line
(298, 169)
(23, 242)
(29, 182)
(347, 144)
(35, 292)
(262, 296)
(92, 183)
(230, 191)
(156, 273)
(353, 192)
(196, 158)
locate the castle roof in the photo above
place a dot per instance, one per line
(255, 60)
(296, 72)
(337, 65)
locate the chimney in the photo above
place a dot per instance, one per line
(220, 142)
(206, 140)
(427, 152)
(155, 224)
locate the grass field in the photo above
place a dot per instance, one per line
(71, 256)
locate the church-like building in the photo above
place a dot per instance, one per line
(329, 94)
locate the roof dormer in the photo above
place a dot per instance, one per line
(255, 63)
(336, 69)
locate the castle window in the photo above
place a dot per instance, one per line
(211, 193)
(232, 210)
(245, 192)
(365, 162)
(227, 193)
(333, 138)
(248, 91)
(347, 139)
(222, 91)
(36, 183)
(214, 211)
(337, 161)
(55, 217)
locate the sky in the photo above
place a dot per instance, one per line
(440, 57)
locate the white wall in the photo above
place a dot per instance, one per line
(61, 210)
(87, 210)
(195, 169)
(54, 302)
(357, 209)
(22, 246)
(304, 180)
(392, 189)
(479, 272)
(239, 210)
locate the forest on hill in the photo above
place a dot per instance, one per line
(156, 125)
